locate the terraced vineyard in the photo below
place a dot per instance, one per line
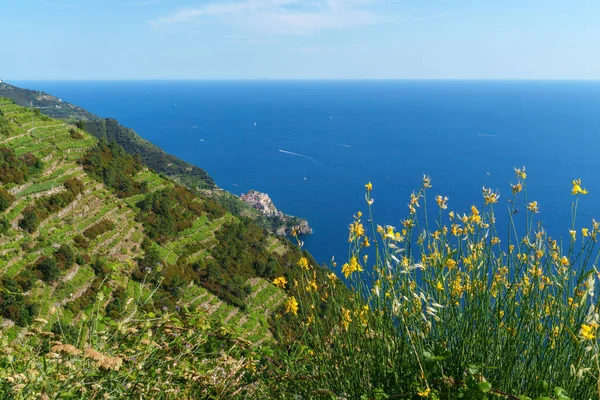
(72, 241)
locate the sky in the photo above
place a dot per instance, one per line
(299, 39)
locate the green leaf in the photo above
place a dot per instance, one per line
(484, 387)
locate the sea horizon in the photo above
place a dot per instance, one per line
(317, 142)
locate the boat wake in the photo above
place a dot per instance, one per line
(298, 155)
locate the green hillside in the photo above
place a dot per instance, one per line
(79, 216)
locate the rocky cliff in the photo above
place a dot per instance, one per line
(284, 224)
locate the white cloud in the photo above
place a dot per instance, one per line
(288, 17)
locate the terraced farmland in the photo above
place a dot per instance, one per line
(72, 241)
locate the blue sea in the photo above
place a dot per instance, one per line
(312, 145)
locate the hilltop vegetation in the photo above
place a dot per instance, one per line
(52, 106)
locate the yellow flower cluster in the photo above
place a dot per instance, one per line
(577, 188)
(303, 263)
(533, 207)
(489, 196)
(280, 282)
(291, 306)
(588, 332)
(442, 202)
(356, 230)
(346, 318)
(353, 266)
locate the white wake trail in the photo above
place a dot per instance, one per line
(298, 155)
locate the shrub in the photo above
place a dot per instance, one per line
(34, 214)
(75, 134)
(109, 164)
(65, 257)
(13, 305)
(4, 225)
(6, 199)
(15, 169)
(98, 229)
(48, 268)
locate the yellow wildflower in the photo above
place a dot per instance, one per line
(533, 206)
(588, 332)
(366, 242)
(577, 188)
(356, 230)
(390, 232)
(451, 263)
(495, 240)
(369, 186)
(426, 181)
(573, 234)
(353, 266)
(346, 318)
(451, 214)
(520, 173)
(585, 232)
(291, 306)
(359, 214)
(309, 320)
(280, 282)
(489, 196)
(516, 188)
(439, 286)
(442, 201)
(424, 392)
(303, 263)
(312, 285)
(475, 217)
(564, 261)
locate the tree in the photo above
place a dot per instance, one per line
(65, 257)
(6, 199)
(47, 266)
(30, 220)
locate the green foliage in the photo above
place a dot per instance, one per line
(43, 207)
(15, 169)
(4, 225)
(169, 356)
(110, 164)
(14, 305)
(5, 128)
(6, 199)
(47, 103)
(75, 134)
(48, 268)
(448, 313)
(65, 256)
(98, 229)
(167, 212)
(150, 154)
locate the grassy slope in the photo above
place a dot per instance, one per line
(51, 141)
